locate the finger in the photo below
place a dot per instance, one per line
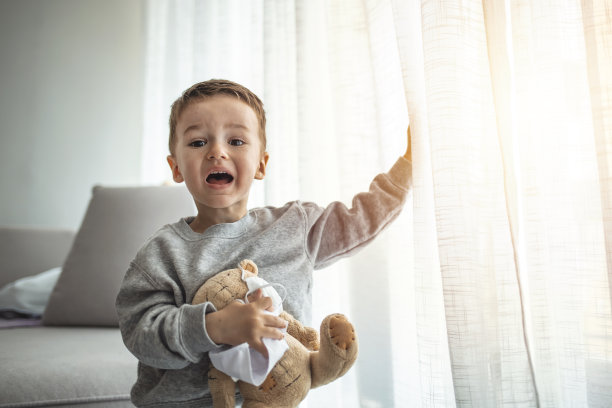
(409, 135)
(277, 322)
(270, 333)
(264, 302)
(408, 154)
(268, 306)
(258, 294)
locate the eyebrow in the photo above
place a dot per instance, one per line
(191, 127)
(197, 126)
(236, 125)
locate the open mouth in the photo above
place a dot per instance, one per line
(219, 177)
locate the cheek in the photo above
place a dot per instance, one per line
(255, 164)
(191, 166)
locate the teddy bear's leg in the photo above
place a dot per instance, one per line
(222, 388)
(338, 350)
(308, 336)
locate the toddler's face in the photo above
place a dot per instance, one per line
(218, 153)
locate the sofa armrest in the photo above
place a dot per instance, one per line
(29, 251)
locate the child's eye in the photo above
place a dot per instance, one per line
(236, 142)
(197, 143)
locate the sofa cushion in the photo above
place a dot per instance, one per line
(117, 222)
(63, 366)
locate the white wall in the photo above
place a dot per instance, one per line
(70, 97)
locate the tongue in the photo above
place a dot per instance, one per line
(218, 181)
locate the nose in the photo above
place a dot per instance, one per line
(217, 151)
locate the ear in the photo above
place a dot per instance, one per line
(176, 173)
(261, 169)
(249, 266)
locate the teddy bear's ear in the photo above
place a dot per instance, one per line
(249, 266)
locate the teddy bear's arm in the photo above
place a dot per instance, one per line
(222, 389)
(308, 336)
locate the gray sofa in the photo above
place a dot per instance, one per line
(73, 355)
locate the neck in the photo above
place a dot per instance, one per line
(206, 219)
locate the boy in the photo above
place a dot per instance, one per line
(218, 147)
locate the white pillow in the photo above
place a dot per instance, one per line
(29, 295)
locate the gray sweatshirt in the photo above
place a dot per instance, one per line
(168, 335)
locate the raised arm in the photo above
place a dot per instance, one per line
(337, 231)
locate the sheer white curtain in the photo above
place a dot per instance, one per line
(494, 286)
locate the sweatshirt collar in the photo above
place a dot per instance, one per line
(226, 230)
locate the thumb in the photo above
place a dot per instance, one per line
(262, 302)
(255, 296)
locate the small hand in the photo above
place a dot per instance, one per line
(408, 154)
(238, 323)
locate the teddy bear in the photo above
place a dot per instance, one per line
(312, 359)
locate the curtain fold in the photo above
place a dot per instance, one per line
(494, 286)
(563, 245)
(481, 294)
(597, 25)
(434, 376)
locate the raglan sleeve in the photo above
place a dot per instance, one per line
(156, 327)
(337, 231)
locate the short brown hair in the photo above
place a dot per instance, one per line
(214, 87)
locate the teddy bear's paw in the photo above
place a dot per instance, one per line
(269, 384)
(339, 348)
(341, 331)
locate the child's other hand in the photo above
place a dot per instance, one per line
(408, 154)
(238, 323)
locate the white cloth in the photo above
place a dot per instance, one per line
(29, 295)
(243, 362)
